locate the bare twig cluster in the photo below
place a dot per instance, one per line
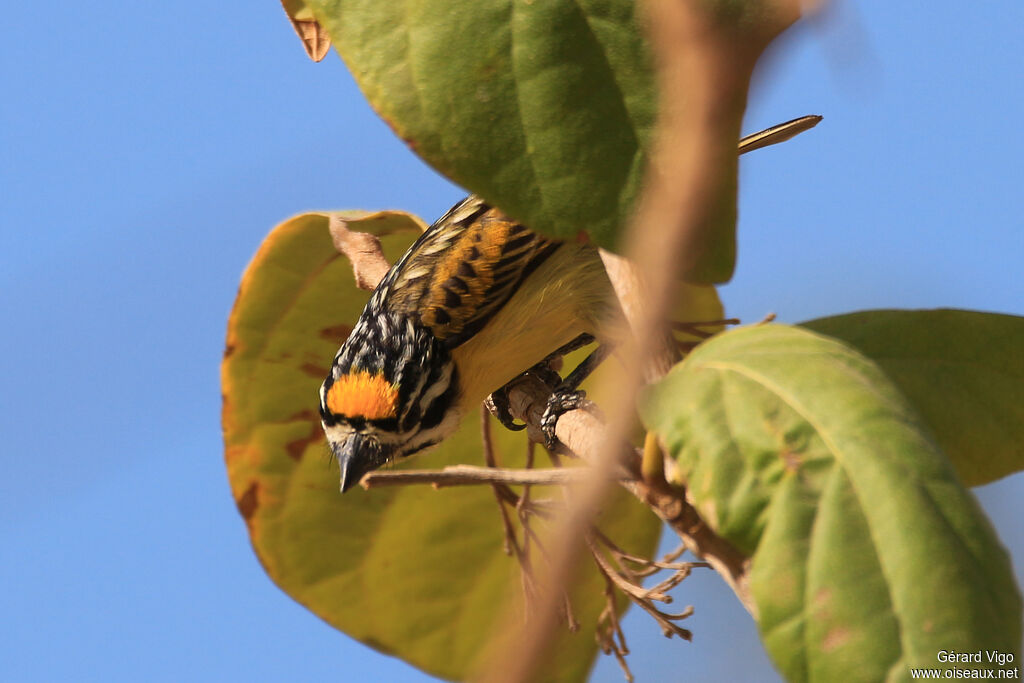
(525, 507)
(625, 572)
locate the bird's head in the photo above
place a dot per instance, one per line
(392, 391)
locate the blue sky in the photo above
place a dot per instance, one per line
(148, 147)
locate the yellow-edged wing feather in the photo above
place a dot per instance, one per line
(463, 269)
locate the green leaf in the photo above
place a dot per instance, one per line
(963, 371)
(868, 556)
(533, 106)
(410, 571)
(544, 108)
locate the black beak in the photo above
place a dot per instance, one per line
(357, 455)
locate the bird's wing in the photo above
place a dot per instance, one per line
(463, 269)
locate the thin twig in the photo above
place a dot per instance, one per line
(609, 635)
(666, 562)
(468, 475)
(500, 491)
(571, 622)
(523, 509)
(632, 590)
(694, 328)
(673, 555)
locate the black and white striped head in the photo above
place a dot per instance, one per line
(392, 391)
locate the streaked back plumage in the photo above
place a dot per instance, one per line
(462, 270)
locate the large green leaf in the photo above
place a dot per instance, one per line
(412, 572)
(963, 371)
(544, 108)
(536, 106)
(868, 556)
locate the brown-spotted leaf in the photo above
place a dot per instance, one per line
(410, 571)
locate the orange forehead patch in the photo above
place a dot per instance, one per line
(361, 394)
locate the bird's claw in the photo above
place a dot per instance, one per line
(497, 404)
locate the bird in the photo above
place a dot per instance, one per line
(475, 301)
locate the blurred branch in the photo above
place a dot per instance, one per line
(704, 66)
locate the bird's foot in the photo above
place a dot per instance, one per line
(559, 403)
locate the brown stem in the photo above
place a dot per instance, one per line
(699, 538)
(582, 435)
(638, 595)
(703, 71)
(466, 475)
(500, 491)
(630, 589)
(363, 250)
(610, 637)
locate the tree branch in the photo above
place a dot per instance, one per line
(703, 66)
(467, 475)
(583, 434)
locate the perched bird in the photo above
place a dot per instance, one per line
(476, 301)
